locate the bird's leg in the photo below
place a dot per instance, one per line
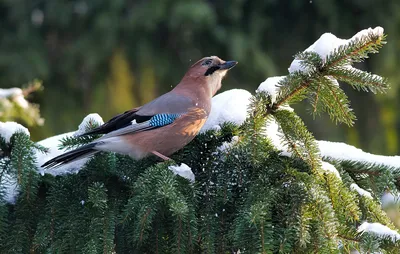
(161, 156)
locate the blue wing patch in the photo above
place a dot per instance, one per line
(163, 119)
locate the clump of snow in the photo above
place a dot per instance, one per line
(8, 129)
(229, 106)
(271, 87)
(388, 199)
(226, 146)
(16, 94)
(232, 105)
(379, 230)
(6, 93)
(52, 144)
(377, 31)
(344, 152)
(360, 190)
(328, 42)
(273, 133)
(89, 120)
(334, 81)
(183, 170)
(331, 169)
(286, 107)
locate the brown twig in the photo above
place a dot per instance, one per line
(348, 238)
(350, 54)
(33, 87)
(293, 93)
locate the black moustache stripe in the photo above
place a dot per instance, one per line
(211, 70)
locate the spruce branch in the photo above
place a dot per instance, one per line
(305, 225)
(360, 80)
(354, 51)
(316, 102)
(299, 140)
(335, 102)
(144, 222)
(344, 204)
(72, 142)
(254, 126)
(324, 218)
(348, 238)
(320, 76)
(372, 211)
(309, 60)
(293, 88)
(366, 173)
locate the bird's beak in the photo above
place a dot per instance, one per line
(227, 65)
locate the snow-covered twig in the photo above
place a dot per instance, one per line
(8, 129)
(328, 43)
(183, 170)
(230, 106)
(330, 168)
(360, 191)
(379, 230)
(271, 87)
(343, 152)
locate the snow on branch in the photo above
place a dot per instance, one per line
(328, 43)
(271, 87)
(230, 106)
(184, 171)
(53, 144)
(225, 109)
(13, 105)
(89, 122)
(360, 190)
(8, 184)
(379, 230)
(15, 94)
(342, 152)
(315, 72)
(8, 129)
(330, 169)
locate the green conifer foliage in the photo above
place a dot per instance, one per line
(248, 196)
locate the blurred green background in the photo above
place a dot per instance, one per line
(107, 56)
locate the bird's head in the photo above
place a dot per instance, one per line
(212, 70)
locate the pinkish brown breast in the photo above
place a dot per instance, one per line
(168, 139)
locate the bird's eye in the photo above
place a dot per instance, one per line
(207, 62)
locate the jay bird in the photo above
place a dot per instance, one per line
(162, 126)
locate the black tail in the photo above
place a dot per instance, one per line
(67, 157)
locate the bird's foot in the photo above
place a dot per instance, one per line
(161, 156)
